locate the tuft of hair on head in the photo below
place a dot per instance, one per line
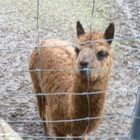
(79, 29)
(109, 33)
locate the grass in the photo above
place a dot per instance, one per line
(57, 17)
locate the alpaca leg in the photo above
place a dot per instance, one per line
(40, 100)
(40, 105)
(59, 134)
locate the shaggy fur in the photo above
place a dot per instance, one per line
(64, 77)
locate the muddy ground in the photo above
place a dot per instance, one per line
(18, 35)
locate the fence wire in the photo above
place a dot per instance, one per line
(117, 39)
(105, 117)
(132, 38)
(74, 137)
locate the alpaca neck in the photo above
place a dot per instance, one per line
(81, 86)
(80, 103)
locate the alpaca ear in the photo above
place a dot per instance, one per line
(79, 29)
(109, 33)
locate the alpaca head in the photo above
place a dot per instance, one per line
(93, 53)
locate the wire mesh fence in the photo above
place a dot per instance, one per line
(16, 119)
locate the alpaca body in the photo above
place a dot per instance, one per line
(64, 107)
(60, 76)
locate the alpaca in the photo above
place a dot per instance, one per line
(65, 71)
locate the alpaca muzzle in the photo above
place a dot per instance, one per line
(84, 68)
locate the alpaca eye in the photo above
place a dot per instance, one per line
(77, 50)
(101, 55)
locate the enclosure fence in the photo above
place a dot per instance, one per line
(133, 135)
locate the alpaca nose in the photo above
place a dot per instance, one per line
(84, 64)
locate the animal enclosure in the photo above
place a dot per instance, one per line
(57, 19)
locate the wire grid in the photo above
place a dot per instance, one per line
(84, 94)
(118, 39)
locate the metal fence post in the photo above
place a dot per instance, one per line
(135, 132)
